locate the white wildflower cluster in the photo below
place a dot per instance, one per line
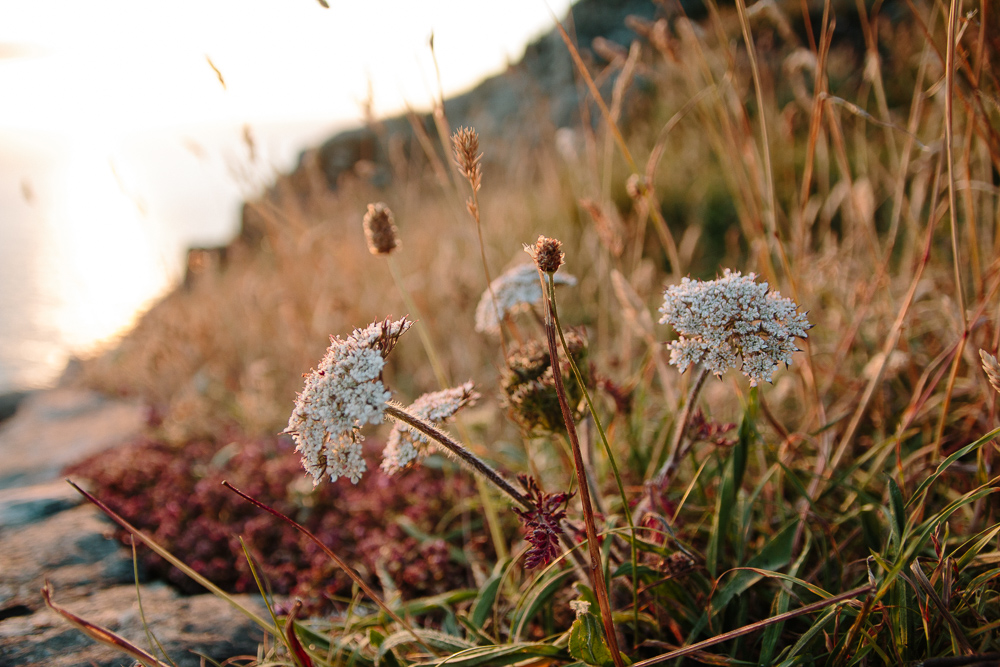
(581, 607)
(731, 317)
(515, 291)
(342, 394)
(406, 444)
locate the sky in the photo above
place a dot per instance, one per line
(116, 65)
(122, 125)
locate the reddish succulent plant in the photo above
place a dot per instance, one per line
(176, 496)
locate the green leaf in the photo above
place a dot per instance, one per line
(495, 656)
(483, 605)
(586, 641)
(948, 461)
(625, 570)
(540, 593)
(729, 487)
(981, 540)
(773, 556)
(896, 507)
(809, 635)
(432, 638)
(871, 529)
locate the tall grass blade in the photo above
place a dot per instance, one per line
(176, 562)
(335, 558)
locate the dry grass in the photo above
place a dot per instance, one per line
(818, 164)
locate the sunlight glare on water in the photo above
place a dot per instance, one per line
(112, 261)
(120, 147)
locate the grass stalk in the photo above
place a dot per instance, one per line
(770, 208)
(150, 637)
(174, 560)
(754, 627)
(425, 339)
(673, 455)
(336, 559)
(99, 633)
(954, 8)
(489, 510)
(666, 238)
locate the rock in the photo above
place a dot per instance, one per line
(25, 505)
(184, 626)
(9, 403)
(93, 577)
(535, 96)
(72, 549)
(61, 426)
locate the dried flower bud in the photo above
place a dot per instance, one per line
(636, 186)
(547, 253)
(380, 230)
(467, 155)
(992, 369)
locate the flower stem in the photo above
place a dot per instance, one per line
(596, 571)
(489, 510)
(551, 289)
(399, 413)
(668, 467)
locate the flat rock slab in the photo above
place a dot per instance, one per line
(184, 626)
(48, 533)
(73, 549)
(93, 577)
(55, 428)
(24, 505)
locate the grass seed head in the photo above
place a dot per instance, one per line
(467, 156)
(380, 229)
(992, 368)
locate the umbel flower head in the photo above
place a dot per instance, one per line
(342, 394)
(406, 444)
(732, 317)
(515, 291)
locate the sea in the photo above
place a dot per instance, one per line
(94, 230)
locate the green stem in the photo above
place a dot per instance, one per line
(425, 338)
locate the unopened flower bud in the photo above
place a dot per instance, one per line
(547, 253)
